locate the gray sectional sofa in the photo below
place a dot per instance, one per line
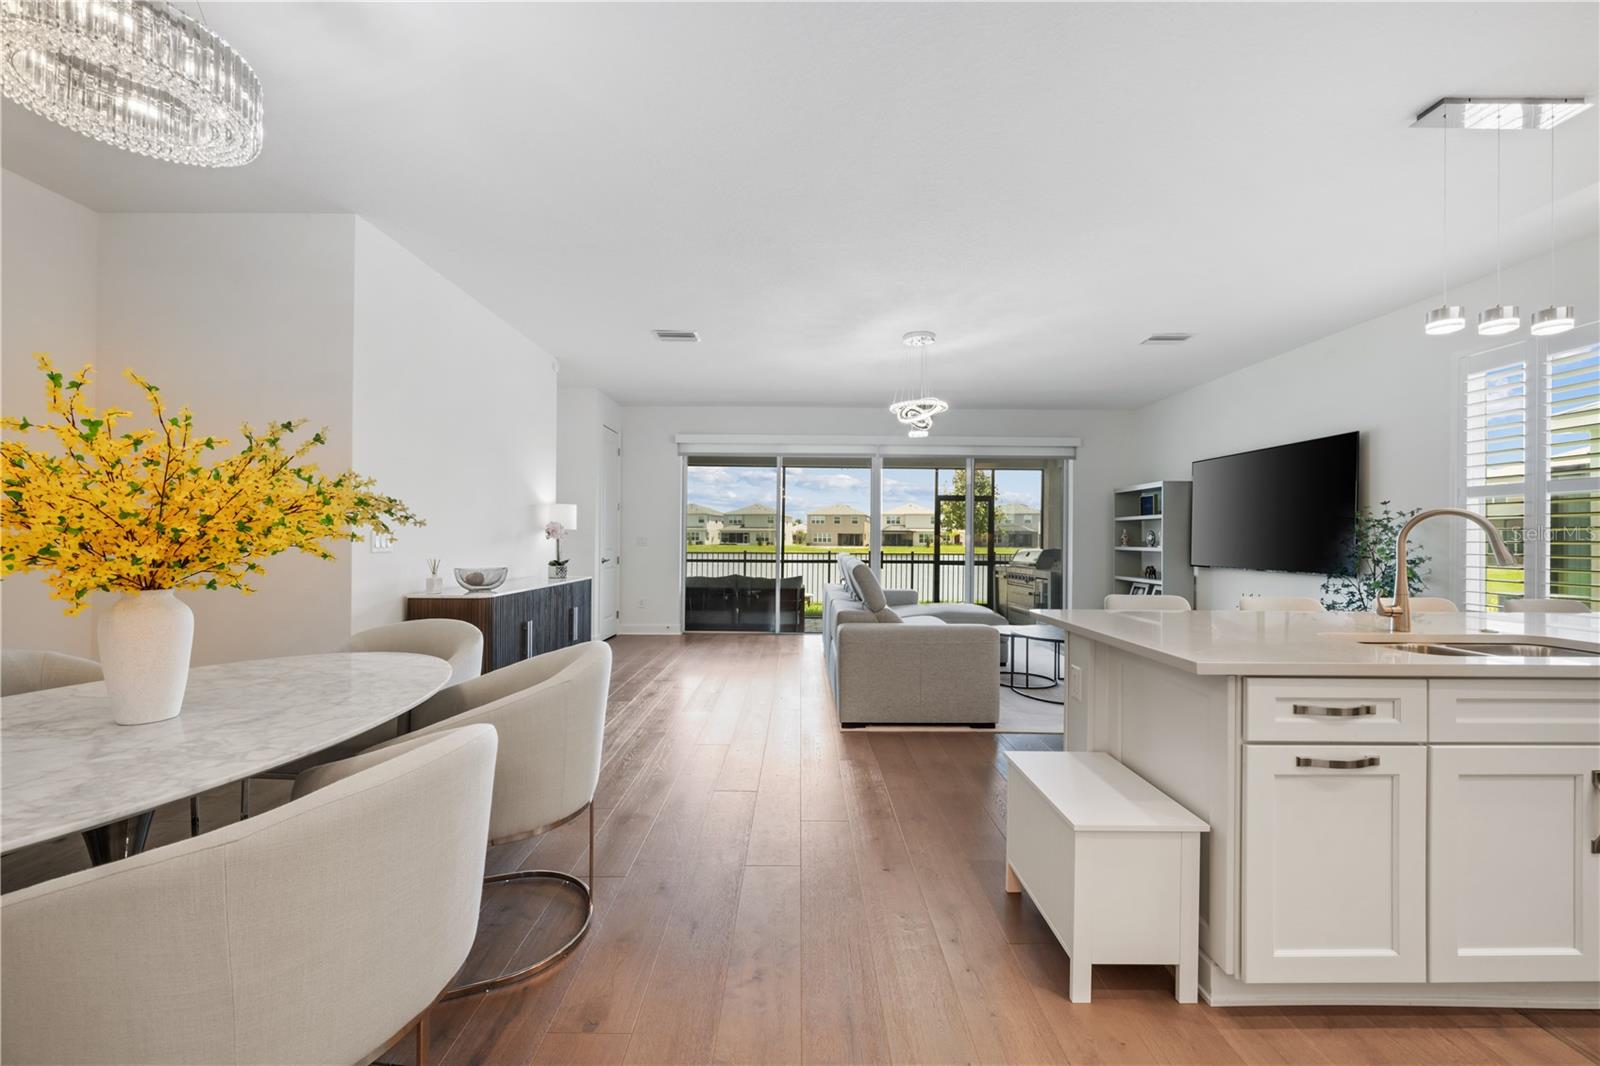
(892, 660)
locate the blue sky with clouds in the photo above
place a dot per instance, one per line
(727, 488)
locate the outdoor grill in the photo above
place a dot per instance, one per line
(1030, 581)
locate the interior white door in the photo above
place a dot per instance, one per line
(608, 599)
(1335, 861)
(1514, 882)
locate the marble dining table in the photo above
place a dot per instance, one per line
(66, 767)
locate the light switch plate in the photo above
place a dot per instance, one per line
(382, 542)
(1075, 682)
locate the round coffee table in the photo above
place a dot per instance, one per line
(1025, 682)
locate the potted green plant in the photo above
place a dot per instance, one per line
(1371, 569)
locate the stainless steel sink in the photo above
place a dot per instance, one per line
(1528, 651)
(1424, 649)
(1480, 648)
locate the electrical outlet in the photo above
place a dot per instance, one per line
(382, 542)
(641, 542)
(641, 603)
(1075, 681)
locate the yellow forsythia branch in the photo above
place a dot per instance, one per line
(166, 508)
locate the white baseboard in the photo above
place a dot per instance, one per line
(636, 630)
(1220, 990)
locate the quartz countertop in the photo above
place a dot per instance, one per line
(512, 585)
(1329, 644)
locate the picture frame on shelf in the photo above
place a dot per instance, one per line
(1139, 590)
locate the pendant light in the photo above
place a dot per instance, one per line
(916, 407)
(1557, 318)
(1447, 317)
(1502, 317)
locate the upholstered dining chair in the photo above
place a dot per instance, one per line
(1530, 605)
(550, 712)
(1280, 603)
(268, 941)
(29, 671)
(1158, 602)
(456, 642)
(1426, 604)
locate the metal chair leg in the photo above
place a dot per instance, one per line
(194, 816)
(517, 976)
(244, 799)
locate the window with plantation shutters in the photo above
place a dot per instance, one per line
(1572, 420)
(1529, 442)
(1495, 446)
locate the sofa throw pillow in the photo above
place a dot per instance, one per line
(872, 597)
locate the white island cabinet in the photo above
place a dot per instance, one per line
(1388, 825)
(1335, 863)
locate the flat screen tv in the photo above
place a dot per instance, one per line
(1290, 508)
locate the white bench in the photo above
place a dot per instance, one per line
(1111, 861)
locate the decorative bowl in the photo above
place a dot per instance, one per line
(480, 578)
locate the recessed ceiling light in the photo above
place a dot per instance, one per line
(688, 335)
(1166, 338)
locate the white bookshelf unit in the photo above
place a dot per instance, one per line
(1159, 509)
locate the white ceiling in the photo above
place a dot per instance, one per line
(1043, 185)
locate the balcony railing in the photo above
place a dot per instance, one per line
(901, 570)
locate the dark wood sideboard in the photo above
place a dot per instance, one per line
(518, 620)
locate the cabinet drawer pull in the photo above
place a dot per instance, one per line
(1594, 845)
(1317, 710)
(1337, 764)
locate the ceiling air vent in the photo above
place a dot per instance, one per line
(677, 335)
(1166, 338)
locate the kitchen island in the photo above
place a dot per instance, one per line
(1395, 818)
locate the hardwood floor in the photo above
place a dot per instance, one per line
(774, 890)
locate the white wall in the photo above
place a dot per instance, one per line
(583, 415)
(1383, 377)
(282, 316)
(652, 484)
(244, 318)
(49, 276)
(455, 413)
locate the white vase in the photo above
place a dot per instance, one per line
(145, 640)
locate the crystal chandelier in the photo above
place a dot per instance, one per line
(916, 407)
(135, 74)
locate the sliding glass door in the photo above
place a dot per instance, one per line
(1027, 538)
(731, 537)
(763, 533)
(827, 509)
(924, 527)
